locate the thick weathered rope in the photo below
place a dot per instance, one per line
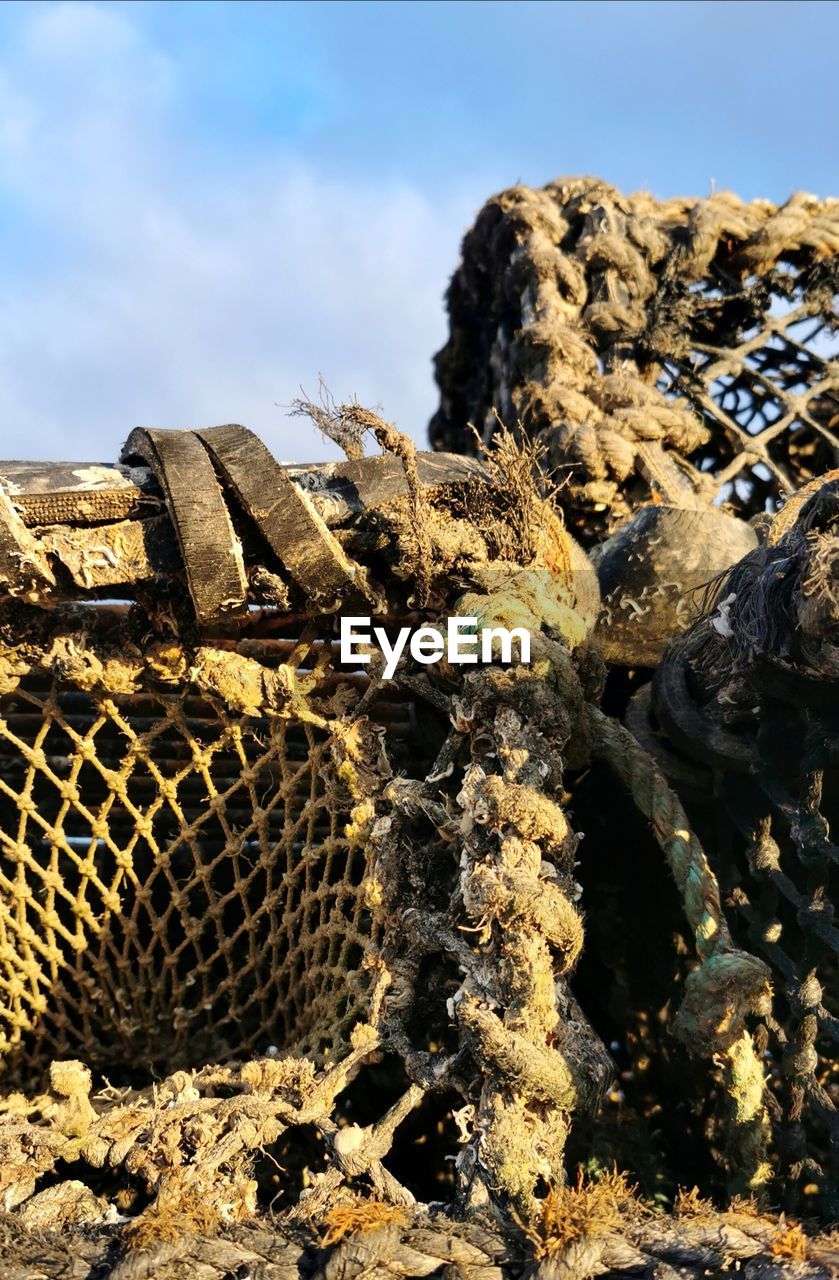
(611, 325)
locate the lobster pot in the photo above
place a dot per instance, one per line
(177, 880)
(684, 350)
(743, 714)
(187, 787)
(235, 856)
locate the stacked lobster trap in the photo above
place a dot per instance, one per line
(302, 967)
(677, 362)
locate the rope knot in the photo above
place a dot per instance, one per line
(719, 995)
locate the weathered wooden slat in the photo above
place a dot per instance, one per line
(368, 482)
(109, 529)
(79, 492)
(283, 513)
(212, 554)
(90, 493)
(20, 477)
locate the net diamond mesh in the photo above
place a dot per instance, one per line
(764, 383)
(176, 884)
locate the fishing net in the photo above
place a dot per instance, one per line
(306, 970)
(155, 843)
(684, 350)
(742, 716)
(288, 948)
(677, 361)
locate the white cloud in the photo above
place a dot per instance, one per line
(175, 292)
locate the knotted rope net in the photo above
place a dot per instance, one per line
(742, 717)
(681, 349)
(678, 361)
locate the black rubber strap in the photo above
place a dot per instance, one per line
(685, 723)
(212, 554)
(288, 521)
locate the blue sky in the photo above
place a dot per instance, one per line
(205, 206)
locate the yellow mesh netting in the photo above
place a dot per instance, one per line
(176, 880)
